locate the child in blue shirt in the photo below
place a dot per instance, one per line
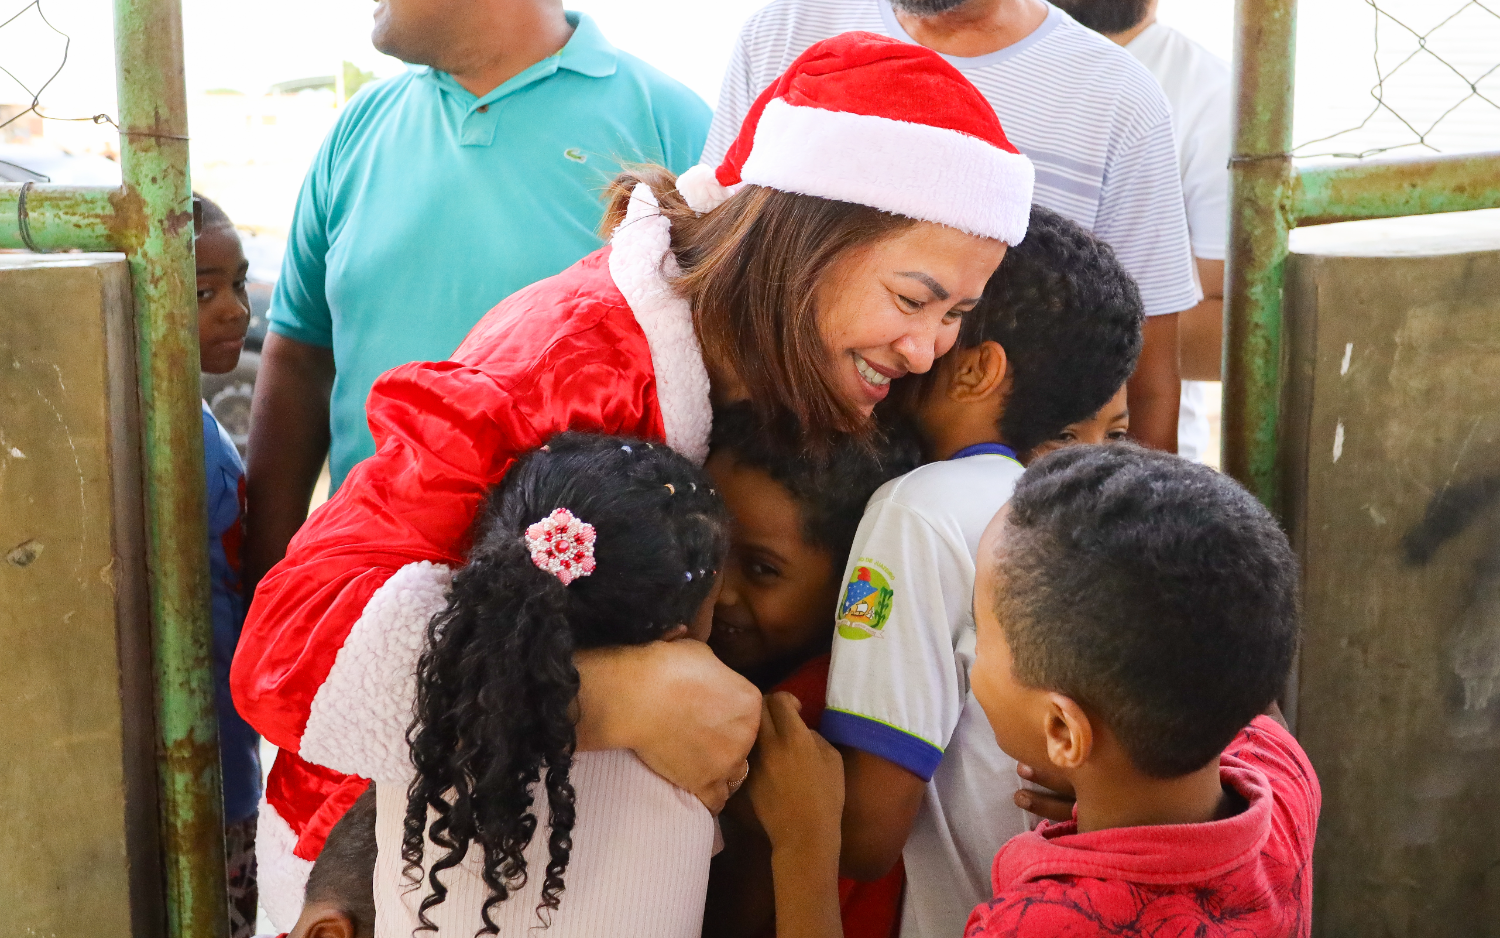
(223, 319)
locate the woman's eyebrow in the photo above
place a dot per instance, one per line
(927, 281)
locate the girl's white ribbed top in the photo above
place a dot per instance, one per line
(639, 865)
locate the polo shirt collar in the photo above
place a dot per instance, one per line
(587, 52)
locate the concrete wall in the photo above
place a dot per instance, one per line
(79, 844)
(1393, 419)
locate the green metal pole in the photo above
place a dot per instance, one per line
(61, 217)
(1261, 188)
(159, 244)
(1393, 188)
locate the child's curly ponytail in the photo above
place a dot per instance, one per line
(496, 683)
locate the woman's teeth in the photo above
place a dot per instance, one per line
(870, 374)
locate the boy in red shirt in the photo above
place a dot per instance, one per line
(795, 515)
(1136, 615)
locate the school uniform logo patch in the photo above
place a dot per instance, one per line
(866, 605)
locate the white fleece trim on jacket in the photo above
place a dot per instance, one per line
(640, 262)
(281, 873)
(358, 719)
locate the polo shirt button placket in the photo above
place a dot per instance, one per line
(479, 127)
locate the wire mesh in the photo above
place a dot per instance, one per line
(1436, 79)
(34, 16)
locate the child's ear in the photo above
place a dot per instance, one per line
(1070, 733)
(327, 923)
(673, 634)
(978, 372)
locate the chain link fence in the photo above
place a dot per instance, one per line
(34, 52)
(1430, 71)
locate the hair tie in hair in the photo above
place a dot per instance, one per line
(562, 545)
(671, 489)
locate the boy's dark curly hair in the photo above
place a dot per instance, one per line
(1154, 591)
(831, 488)
(496, 682)
(1069, 318)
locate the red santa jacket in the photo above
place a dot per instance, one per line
(605, 346)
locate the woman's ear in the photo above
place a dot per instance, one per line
(673, 634)
(1070, 733)
(978, 372)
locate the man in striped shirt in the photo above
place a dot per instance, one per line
(1092, 119)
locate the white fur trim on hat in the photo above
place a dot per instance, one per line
(923, 172)
(700, 188)
(358, 720)
(641, 262)
(282, 875)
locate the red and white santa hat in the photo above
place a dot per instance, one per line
(868, 119)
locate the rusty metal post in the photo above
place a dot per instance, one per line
(1396, 187)
(58, 217)
(1261, 188)
(157, 236)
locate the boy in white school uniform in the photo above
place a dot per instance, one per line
(1055, 337)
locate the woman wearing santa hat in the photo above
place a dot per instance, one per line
(870, 195)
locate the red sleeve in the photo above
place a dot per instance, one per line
(445, 432)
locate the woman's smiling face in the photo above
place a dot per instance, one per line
(893, 307)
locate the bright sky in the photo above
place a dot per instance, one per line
(250, 46)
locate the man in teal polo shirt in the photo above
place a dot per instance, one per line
(438, 194)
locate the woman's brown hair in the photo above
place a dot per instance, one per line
(750, 270)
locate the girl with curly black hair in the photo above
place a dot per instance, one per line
(589, 542)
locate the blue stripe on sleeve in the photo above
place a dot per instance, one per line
(916, 755)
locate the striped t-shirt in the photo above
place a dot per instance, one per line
(1090, 117)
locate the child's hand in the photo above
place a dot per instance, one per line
(1055, 804)
(796, 782)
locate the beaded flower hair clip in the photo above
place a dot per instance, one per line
(562, 545)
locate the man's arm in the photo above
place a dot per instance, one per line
(1143, 218)
(1155, 390)
(1201, 331)
(288, 443)
(880, 803)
